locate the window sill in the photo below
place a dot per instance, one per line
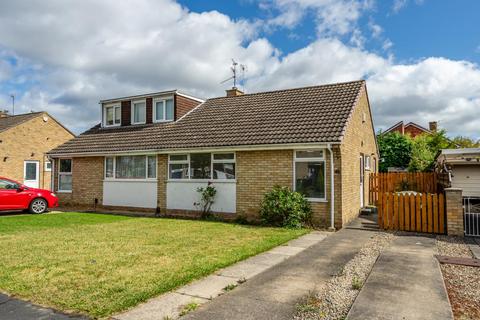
(64, 191)
(153, 180)
(203, 180)
(162, 121)
(317, 200)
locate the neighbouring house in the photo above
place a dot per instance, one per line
(24, 142)
(462, 169)
(412, 129)
(151, 152)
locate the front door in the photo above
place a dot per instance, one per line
(31, 175)
(362, 178)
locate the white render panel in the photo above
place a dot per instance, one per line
(467, 178)
(122, 193)
(182, 195)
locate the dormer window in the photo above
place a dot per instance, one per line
(163, 109)
(112, 115)
(139, 112)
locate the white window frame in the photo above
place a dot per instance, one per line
(367, 162)
(132, 111)
(154, 107)
(212, 161)
(313, 159)
(47, 169)
(61, 173)
(114, 178)
(114, 106)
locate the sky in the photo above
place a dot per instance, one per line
(420, 58)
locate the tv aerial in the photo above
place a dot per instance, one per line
(233, 68)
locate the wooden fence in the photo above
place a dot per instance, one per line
(423, 182)
(412, 212)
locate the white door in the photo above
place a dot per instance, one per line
(31, 175)
(362, 176)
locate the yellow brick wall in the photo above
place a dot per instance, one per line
(359, 138)
(258, 171)
(30, 141)
(162, 175)
(87, 183)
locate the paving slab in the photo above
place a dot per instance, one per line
(167, 305)
(207, 288)
(268, 259)
(405, 283)
(287, 250)
(243, 270)
(474, 245)
(273, 294)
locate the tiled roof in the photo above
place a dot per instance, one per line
(13, 121)
(303, 115)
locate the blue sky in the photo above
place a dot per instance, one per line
(420, 57)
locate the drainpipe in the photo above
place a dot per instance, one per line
(332, 189)
(52, 174)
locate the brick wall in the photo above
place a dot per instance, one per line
(87, 183)
(258, 171)
(454, 204)
(30, 141)
(413, 131)
(162, 175)
(359, 139)
(183, 105)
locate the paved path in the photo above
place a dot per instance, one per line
(273, 294)
(405, 283)
(13, 309)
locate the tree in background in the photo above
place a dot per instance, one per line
(465, 142)
(395, 150)
(423, 153)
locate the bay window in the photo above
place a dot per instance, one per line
(112, 115)
(163, 109)
(139, 112)
(65, 175)
(309, 174)
(131, 167)
(217, 166)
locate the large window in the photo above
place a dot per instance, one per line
(202, 166)
(131, 167)
(139, 112)
(163, 109)
(65, 175)
(112, 115)
(310, 174)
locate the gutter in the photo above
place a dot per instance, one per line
(332, 189)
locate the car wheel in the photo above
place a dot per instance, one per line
(38, 206)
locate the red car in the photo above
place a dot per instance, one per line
(16, 196)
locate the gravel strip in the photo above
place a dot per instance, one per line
(335, 298)
(462, 282)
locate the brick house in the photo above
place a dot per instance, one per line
(412, 129)
(24, 141)
(151, 152)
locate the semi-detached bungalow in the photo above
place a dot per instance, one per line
(151, 152)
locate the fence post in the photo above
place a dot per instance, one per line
(454, 203)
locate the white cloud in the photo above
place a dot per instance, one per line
(398, 5)
(71, 56)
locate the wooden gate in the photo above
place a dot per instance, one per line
(423, 182)
(412, 212)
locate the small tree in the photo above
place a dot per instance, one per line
(207, 197)
(423, 154)
(395, 150)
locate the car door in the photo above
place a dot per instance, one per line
(11, 198)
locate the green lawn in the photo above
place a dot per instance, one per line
(102, 264)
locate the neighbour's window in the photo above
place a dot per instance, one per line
(178, 166)
(223, 165)
(201, 166)
(139, 112)
(48, 166)
(309, 174)
(131, 167)
(163, 109)
(65, 175)
(367, 162)
(112, 115)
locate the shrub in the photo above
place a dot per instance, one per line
(207, 197)
(282, 207)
